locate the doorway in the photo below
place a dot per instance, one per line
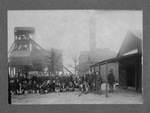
(130, 70)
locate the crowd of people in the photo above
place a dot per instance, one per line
(45, 84)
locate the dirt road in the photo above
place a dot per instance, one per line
(119, 96)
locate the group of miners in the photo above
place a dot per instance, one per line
(83, 83)
(93, 82)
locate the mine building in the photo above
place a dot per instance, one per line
(25, 55)
(127, 65)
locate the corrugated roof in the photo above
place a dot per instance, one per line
(115, 59)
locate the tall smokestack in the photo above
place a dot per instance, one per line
(92, 32)
(92, 37)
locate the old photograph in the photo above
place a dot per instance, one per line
(75, 57)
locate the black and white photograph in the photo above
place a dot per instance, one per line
(75, 57)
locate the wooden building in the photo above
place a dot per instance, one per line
(127, 65)
(104, 67)
(130, 67)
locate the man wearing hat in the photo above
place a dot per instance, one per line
(111, 80)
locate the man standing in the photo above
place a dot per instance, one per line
(99, 81)
(84, 85)
(111, 80)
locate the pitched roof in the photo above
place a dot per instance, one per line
(24, 29)
(130, 43)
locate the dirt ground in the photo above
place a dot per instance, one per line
(119, 96)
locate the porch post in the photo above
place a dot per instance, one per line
(135, 77)
(99, 69)
(106, 81)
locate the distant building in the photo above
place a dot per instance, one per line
(84, 61)
(87, 58)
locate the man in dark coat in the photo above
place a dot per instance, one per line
(84, 86)
(99, 82)
(90, 82)
(111, 80)
(94, 82)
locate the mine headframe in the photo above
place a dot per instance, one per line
(22, 36)
(24, 51)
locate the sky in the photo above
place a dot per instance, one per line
(69, 29)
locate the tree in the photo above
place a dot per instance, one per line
(52, 61)
(74, 56)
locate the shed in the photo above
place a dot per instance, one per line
(127, 65)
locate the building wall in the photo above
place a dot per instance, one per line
(114, 66)
(96, 68)
(83, 61)
(102, 70)
(133, 63)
